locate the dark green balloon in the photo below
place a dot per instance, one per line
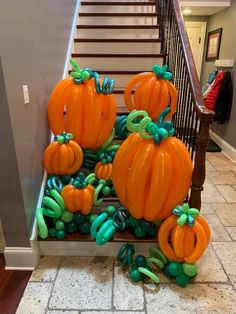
(182, 280)
(79, 218)
(84, 228)
(60, 235)
(135, 275)
(175, 269)
(133, 222)
(139, 232)
(52, 232)
(71, 227)
(141, 261)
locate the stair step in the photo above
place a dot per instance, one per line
(83, 3)
(129, 61)
(117, 46)
(96, 14)
(80, 26)
(119, 8)
(118, 31)
(117, 40)
(118, 20)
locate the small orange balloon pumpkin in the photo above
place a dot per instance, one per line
(103, 168)
(189, 235)
(89, 116)
(63, 156)
(153, 92)
(78, 196)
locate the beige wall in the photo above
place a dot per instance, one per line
(34, 38)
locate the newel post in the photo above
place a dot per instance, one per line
(199, 171)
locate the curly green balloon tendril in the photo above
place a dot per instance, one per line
(147, 128)
(107, 86)
(161, 72)
(186, 215)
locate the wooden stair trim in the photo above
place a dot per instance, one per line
(126, 236)
(98, 14)
(123, 26)
(118, 55)
(118, 40)
(118, 3)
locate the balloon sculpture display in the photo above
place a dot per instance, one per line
(153, 92)
(152, 169)
(96, 156)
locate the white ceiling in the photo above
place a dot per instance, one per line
(202, 7)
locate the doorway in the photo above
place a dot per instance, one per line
(196, 33)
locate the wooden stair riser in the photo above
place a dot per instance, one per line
(111, 47)
(134, 63)
(117, 8)
(117, 20)
(118, 33)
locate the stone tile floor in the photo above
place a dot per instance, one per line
(98, 285)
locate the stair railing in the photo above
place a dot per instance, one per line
(192, 119)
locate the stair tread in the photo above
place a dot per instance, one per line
(119, 72)
(126, 236)
(119, 40)
(123, 26)
(116, 14)
(118, 55)
(117, 3)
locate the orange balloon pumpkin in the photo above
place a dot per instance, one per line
(103, 170)
(152, 92)
(181, 242)
(63, 156)
(78, 198)
(150, 179)
(90, 116)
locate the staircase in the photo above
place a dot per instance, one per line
(118, 39)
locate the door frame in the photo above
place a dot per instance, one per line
(203, 26)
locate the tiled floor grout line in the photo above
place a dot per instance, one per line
(113, 285)
(219, 260)
(54, 282)
(144, 299)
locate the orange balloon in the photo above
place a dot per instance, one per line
(150, 180)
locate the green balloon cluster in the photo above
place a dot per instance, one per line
(142, 228)
(182, 273)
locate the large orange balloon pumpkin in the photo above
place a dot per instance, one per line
(150, 179)
(90, 116)
(184, 238)
(152, 92)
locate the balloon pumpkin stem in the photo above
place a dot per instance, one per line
(147, 128)
(186, 215)
(161, 72)
(80, 181)
(79, 75)
(63, 138)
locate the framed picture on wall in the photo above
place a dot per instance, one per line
(213, 44)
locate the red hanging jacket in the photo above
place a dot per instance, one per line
(210, 98)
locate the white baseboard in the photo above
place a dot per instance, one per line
(227, 149)
(20, 258)
(67, 248)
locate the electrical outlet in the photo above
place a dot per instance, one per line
(25, 94)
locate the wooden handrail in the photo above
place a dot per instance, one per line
(192, 121)
(202, 112)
